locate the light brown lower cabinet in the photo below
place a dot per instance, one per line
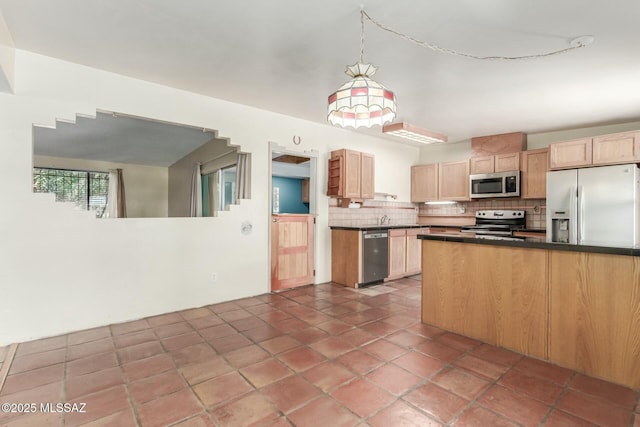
(575, 309)
(595, 315)
(491, 293)
(404, 252)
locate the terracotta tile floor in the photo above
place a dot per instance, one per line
(314, 356)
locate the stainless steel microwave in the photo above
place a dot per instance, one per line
(500, 184)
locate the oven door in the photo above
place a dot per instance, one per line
(486, 185)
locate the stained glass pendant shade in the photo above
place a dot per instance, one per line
(361, 101)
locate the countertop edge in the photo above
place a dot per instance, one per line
(534, 243)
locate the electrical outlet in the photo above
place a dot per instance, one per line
(214, 277)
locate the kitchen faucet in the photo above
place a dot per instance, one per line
(385, 218)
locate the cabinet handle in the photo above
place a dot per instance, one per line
(275, 220)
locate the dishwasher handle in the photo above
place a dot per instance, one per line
(382, 235)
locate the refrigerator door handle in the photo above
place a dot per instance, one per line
(580, 206)
(573, 215)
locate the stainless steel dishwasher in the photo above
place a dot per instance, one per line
(375, 256)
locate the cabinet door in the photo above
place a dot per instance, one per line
(535, 164)
(397, 253)
(424, 183)
(570, 154)
(367, 180)
(352, 174)
(484, 164)
(453, 180)
(414, 251)
(616, 149)
(507, 162)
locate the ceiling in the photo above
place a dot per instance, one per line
(289, 55)
(122, 139)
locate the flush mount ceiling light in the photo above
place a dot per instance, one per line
(405, 130)
(365, 102)
(362, 101)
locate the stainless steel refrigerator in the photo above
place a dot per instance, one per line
(597, 206)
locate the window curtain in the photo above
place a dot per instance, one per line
(243, 176)
(195, 200)
(116, 202)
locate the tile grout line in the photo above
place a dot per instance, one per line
(7, 364)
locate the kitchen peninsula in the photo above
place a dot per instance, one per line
(575, 306)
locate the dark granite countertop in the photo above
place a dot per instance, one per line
(375, 227)
(533, 243)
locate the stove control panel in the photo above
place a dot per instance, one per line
(503, 214)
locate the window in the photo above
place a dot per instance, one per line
(227, 187)
(87, 189)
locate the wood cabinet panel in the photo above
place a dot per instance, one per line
(397, 253)
(617, 148)
(351, 175)
(414, 252)
(484, 164)
(507, 162)
(346, 257)
(595, 315)
(367, 176)
(453, 180)
(570, 154)
(534, 167)
(424, 183)
(495, 294)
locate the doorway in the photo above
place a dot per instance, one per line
(292, 185)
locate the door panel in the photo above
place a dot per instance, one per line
(292, 242)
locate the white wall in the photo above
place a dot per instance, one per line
(133, 268)
(146, 187)
(7, 58)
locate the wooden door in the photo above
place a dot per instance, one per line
(292, 241)
(535, 164)
(507, 162)
(616, 149)
(570, 154)
(453, 180)
(367, 180)
(485, 164)
(424, 183)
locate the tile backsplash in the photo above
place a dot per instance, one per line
(370, 213)
(535, 210)
(406, 213)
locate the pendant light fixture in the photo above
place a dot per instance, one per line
(361, 102)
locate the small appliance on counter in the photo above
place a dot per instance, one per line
(497, 223)
(500, 184)
(598, 206)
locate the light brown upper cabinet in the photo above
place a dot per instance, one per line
(453, 181)
(351, 175)
(617, 148)
(534, 166)
(498, 163)
(570, 154)
(611, 149)
(424, 183)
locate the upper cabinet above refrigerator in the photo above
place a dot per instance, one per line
(618, 148)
